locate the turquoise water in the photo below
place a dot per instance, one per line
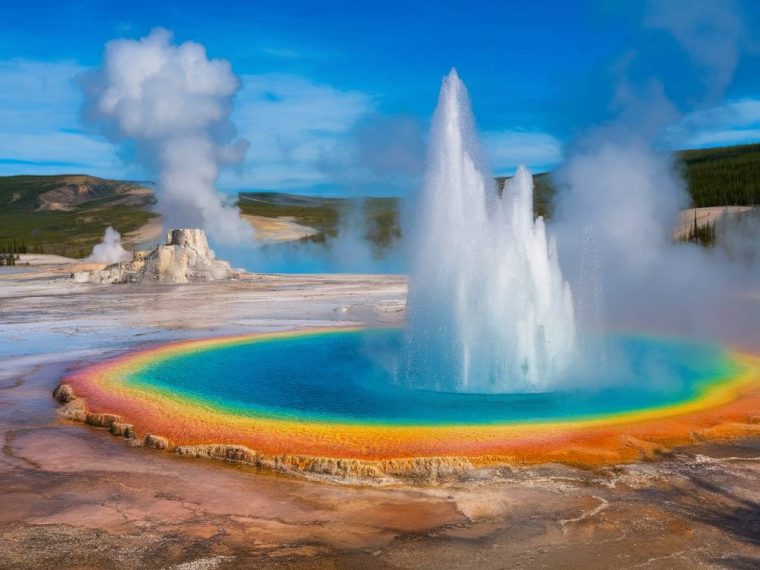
(349, 377)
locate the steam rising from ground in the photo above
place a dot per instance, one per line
(170, 104)
(618, 203)
(350, 250)
(619, 199)
(110, 249)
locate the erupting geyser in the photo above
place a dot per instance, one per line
(491, 342)
(488, 310)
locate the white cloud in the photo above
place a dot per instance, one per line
(292, 124)
(735, 122)
(711, 32)
(39, 122)
(38, 96)
(295, 127)
(506, 150)
(62, 148)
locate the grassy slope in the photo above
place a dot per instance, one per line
(70, 232)
(716, 177)
(726, 176)
(380, 216)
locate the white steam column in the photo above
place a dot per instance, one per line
(488, 309)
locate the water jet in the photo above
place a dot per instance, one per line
(487, 309)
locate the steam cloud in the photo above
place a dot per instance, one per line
(379, 155)
(619, 201)
(710, 31)
(171, 105)
(349, 251)
(618, 205)
(110, 249)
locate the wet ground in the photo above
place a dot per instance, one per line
(73, 496)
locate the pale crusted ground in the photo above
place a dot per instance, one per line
(74, 496)
(284, 228)
(43, 259)
(704, 216)
(267, 229)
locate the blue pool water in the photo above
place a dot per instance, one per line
(349, 376)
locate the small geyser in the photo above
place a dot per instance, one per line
(488, 309)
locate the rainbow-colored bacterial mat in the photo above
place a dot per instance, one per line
(342, 377)
(334, 393)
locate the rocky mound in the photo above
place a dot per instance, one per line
(185, 258)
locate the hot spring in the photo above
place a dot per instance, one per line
(341, 376)
(491, 366)
(305, 395)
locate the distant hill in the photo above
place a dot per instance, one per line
(67, 214)
(725, 176)
(379, 216)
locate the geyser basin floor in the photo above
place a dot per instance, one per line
(320, 394)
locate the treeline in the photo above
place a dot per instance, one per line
(727, 176)
(20, 246)
(8, 258)
(705, 235)
(16, 247)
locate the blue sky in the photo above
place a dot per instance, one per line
(336, 96)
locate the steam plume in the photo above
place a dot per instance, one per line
(710, 32)
(619, 189)
(171, 105)
(110, 249)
